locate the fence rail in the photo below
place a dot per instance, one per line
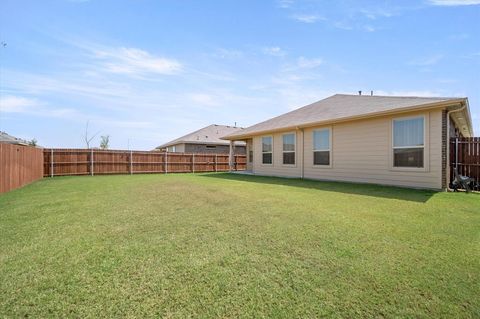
(465, 156)
(19, 165)
(60, 162)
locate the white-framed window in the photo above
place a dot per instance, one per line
(288, 149)
(409, 142)
(267, 150)
(321, 147)
(171, 149)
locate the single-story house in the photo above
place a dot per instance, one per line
(205, 140)
(390, 140)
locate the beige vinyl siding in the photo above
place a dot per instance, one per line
(277, 168)
(361, 152)
(179, 148)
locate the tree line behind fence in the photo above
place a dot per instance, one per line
(58, 162)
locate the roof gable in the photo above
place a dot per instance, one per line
(208, 135)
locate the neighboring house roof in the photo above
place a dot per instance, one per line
(342, 107)
(208, 135)
(6, 138)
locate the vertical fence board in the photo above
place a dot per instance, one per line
(468, 156)
(19, 165)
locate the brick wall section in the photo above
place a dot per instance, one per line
(219, 149)
(444, 149)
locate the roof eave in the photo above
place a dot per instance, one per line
(192, 142)
(467, 116)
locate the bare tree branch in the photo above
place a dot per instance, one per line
(86, 137)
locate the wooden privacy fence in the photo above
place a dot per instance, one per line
(465, 155)
(58, 162)
(19, 165)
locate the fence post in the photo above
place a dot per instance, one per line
(51, 163)
(166, 163)
(131, 167)
(91, 162)
(215, 162)
(193, 163)
(456, 153)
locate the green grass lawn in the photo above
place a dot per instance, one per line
(221, 245)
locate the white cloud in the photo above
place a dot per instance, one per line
(431, 60)
(204, 99)
(302, 65)
(454, 2)
(447, 80)
(305, 63)
(135, 61)
(307, 18)
(228, 54)
(17, 104)
(459, 36)
(472, 55)
(375, 13)
(23, 105)
(285, 3)
(349, 15)
(344, 25)
(123, 124)
(274, 51)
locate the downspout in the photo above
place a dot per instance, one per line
(448, 143)
(302, 163)
(303, 153)
(230, 157)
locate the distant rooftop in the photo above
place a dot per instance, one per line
(208, 135)
(7, 138)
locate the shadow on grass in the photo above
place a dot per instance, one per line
(371, 190)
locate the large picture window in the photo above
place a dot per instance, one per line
(289, 149)
(409, 142)
(321, 147)
(267, 150)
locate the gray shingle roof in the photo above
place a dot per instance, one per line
(7, 138)
(338, 107)
(208, 135)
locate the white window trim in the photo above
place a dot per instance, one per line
(294, 149)
(426, 148)
(330, 159)
(261, 147)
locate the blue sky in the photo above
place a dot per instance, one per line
(145, 72)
